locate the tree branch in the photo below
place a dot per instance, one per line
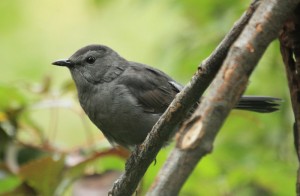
(143, 156)
(197, 135)
(290, 51)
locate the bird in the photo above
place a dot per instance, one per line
(124, 99)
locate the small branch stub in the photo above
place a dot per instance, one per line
(190, 138)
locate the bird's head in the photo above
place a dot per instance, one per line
(94, 64)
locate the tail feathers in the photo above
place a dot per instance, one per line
(259, 104)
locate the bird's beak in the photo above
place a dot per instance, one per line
(63, 62)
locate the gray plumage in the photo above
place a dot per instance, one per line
(125, 99)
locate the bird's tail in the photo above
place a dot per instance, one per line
(258, 104)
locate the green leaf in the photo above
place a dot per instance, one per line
(8, 181)
(22, 190)
(44, 174)
(77, 170)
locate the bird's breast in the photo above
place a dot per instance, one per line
(116, 112)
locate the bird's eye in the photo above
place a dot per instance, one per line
(90, 60)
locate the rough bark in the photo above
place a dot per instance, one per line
(197, 135)
(290, 50)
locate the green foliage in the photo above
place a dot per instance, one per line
(11, 98)
(9, 182)
(48, 168)
(46, 141)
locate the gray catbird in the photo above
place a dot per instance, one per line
(124, 99)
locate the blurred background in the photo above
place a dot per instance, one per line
(49, 147)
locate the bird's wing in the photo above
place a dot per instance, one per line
(153, 89)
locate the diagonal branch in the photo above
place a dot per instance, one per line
(197, 135)
(143, 156)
